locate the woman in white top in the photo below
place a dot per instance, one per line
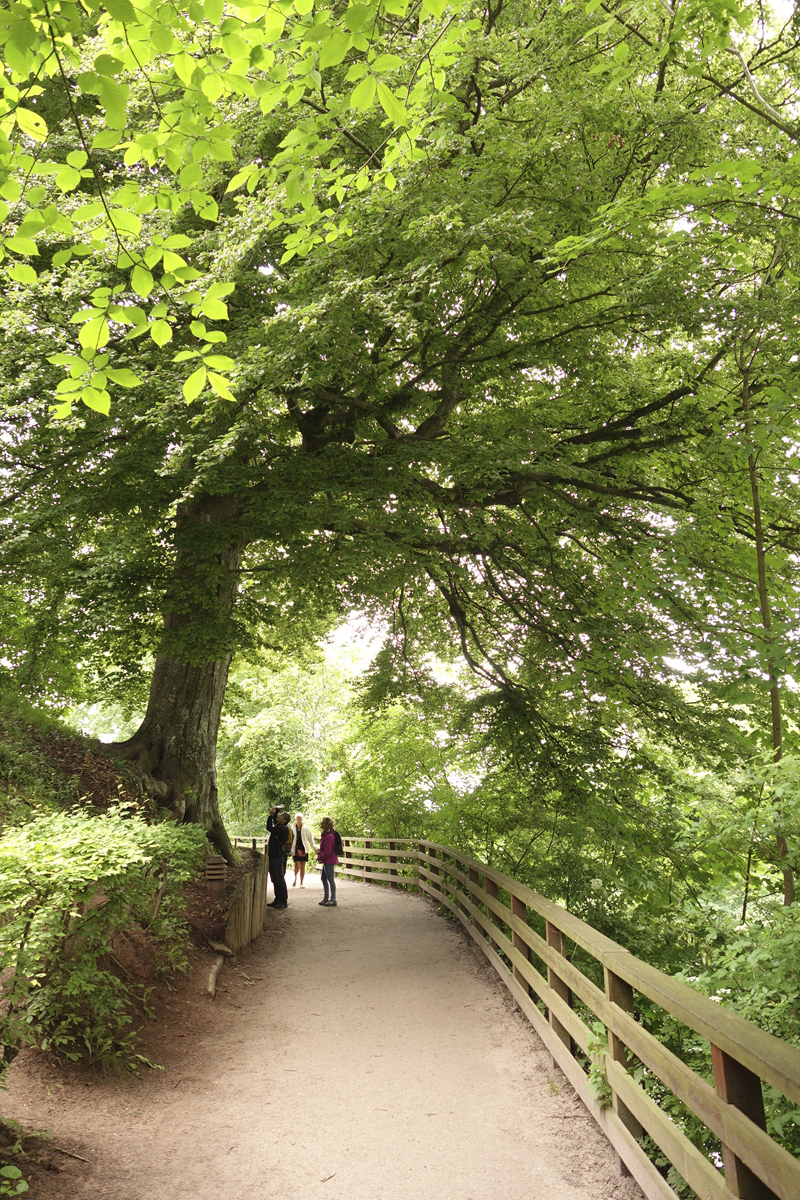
(302, 843)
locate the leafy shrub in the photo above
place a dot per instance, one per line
(69, 884)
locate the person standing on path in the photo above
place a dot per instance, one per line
(280, 839)
(326, 855)
(302, 843)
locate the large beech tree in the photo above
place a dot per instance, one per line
(505, 404)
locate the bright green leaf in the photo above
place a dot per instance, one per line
(221, 361)
(121, 10)
(387, 62)
(393, 108)
(161, 332)
(21, 245)
(142, 281)
(97, 399)
(94, 334)
(194, 385)
(334, 50)
(217, 290)
(23, 273)
(123, 377)
(31, 124)
(220, 386)
(364, 93)
(68, 179)
(215, 310)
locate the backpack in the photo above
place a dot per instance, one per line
(338, 844)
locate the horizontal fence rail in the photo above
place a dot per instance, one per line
(258, 844)
(496, 910)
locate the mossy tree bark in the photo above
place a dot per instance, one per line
(174, 749)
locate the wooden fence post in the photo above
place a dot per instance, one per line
(367, 846)
(621, 993)
(434, 870)
(491, 887)
(474, 877)
(259, 896)
(520, 910)
(445, 887)
(740, 1087)
(392, 859)
(556, 939)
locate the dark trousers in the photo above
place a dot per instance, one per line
(328, 881)
(277, 873)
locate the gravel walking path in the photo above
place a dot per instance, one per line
(366, 1052)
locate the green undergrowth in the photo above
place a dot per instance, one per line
(46, 765)
(28, 774)
(75, 889)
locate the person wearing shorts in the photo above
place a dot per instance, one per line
(302, 845)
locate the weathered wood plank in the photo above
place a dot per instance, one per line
(569, 1019)
(779, 1169)
(259, 897)
(383, 876)
(742, 1089)
(621, 993)
(773, 1060)
(213, 975)
(745, 1046)
(557, 940)
(651, 1182)
(355, 861)
(240, 915)
(770, 1161)
(699, 1173)
(519, 910)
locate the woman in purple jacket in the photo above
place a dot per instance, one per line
(326, 856)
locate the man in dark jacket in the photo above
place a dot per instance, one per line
(280, 838)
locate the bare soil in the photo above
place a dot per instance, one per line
(207, 914)
(363, 1052)
(98, 779)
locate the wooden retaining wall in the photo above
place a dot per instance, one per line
(495, 910)
(248, 908)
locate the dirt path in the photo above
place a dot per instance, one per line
(366, 1052)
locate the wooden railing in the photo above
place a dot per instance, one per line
(252, 843)
(495, 909)
(247, 908)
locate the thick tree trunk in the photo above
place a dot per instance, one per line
(174, 749)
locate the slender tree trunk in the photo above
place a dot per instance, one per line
(766, 623)
(174, 749)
